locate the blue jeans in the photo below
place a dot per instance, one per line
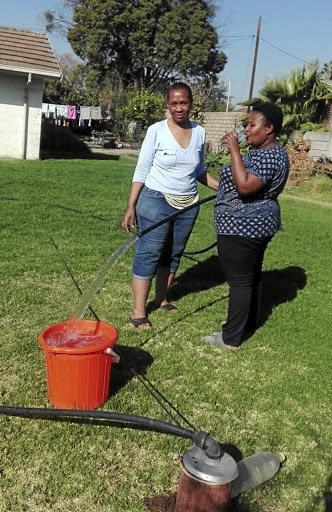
(165, 244)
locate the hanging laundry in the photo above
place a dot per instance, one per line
(51, 110)
(45, 109)
(85, 113)
(61, 110)
(96, 113)
(71, 112)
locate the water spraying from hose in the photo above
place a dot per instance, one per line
(98, 280)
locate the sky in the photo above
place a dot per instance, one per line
(292, 32)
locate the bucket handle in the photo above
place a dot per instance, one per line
(115, 356)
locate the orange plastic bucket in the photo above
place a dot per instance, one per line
(78, 372)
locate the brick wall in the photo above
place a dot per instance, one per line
(216, 124)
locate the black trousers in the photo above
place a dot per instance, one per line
(241, 261)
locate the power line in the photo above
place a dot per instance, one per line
(243, 37)
(237, 38)
(287, 53)
(234, 41)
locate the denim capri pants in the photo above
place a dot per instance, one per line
(165, 244)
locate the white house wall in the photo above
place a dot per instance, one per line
(12, 116)
(321, 144)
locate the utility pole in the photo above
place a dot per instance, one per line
(255, 60)
(228, 93)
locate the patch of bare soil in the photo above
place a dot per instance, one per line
(300, 162)
(161, 503)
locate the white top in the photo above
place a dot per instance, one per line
(163, 165)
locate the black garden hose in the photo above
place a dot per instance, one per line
(191, 253)
(120, 419)
(176, 214)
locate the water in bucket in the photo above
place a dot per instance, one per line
(75, 339)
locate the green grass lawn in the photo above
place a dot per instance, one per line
(272, 395)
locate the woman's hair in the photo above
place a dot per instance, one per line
(180, 85)
(272, 114)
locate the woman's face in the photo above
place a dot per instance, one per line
(179, 105)
(258, 132)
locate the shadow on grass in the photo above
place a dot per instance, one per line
(328, 501)
(65, 155)
(325, 497)
(132, 361)
(202, 276)
(278, 286)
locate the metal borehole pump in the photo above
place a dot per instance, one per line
(210, 477)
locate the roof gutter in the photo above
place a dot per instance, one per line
(41, 73)
(26, 117)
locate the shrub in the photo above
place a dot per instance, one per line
(143, 107)
(312, 127)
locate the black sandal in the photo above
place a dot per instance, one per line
(137, 322)
(171, 308)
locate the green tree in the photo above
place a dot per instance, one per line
(301, 94)
(72, 88)
(209, 93)
(146, 42)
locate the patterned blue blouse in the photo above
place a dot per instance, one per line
(256, 215)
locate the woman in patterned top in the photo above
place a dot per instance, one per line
(247, 216)
(170, 163)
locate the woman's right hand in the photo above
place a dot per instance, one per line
(128, 220)
(231, 140)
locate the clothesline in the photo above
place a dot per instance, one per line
(54, 111)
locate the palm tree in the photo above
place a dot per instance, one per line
(300, 93)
